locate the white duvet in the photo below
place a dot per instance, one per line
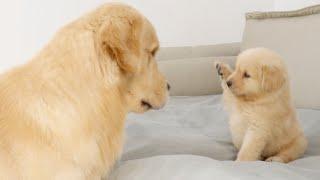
(189, 140)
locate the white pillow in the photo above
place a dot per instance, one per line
(295, 35)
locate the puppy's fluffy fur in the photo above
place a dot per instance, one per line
(62, 114)
(263, 121)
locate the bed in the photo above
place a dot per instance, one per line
(189, 139)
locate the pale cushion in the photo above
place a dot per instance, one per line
(169, 53)
(193, 76)
(295, 35)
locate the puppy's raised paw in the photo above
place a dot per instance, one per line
(223, 69)
(218, 67)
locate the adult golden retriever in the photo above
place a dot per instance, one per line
(62, 114)
(263, 121)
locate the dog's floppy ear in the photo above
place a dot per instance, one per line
(272, 78)
(120, 39)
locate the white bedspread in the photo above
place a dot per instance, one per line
(189, 140)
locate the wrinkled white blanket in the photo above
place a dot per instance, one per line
(189, 140)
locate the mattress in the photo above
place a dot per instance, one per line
(189, 140)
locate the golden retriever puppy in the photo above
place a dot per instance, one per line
(263, 121)
(62, 114)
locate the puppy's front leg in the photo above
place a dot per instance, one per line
(252, 146)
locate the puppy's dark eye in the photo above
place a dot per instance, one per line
(246, 75)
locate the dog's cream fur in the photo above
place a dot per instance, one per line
(62, 114)
(263, 121)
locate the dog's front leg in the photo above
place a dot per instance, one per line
(252, 146)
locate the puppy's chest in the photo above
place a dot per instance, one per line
(239, 122)
(238, 128)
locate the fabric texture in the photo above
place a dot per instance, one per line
(190, 140)
(295, 36)
(283, 14)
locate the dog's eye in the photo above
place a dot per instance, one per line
(246, 75)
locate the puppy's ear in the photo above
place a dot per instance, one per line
(120, 39)
(272, 78)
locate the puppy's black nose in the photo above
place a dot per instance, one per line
(168, 86)
(229, 83)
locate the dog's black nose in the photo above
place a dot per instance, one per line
(229, 83)
(168, 86)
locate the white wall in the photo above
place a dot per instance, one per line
(28, 24)
(10, 45)
(194, 22)
(178, 22)
(293, 4)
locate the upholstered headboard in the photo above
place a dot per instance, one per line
(295, 35)
(190, 70)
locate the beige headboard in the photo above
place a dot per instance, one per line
(190, 70)
(295, 35)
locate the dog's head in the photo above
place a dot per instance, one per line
(259, 71)
(129, 39)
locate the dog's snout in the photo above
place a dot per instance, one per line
(229, 83)
(168, 86)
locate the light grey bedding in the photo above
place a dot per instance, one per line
(189, 140)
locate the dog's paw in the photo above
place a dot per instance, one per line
(219, 66)
(222, 69)
(275, 159)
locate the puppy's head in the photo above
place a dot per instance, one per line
(259, 71)
(129, 39)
